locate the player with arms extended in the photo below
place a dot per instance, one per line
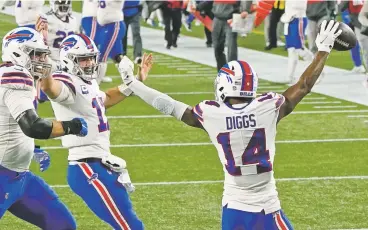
(22, 193)
(243, 130)
(56, 25)
(94, 174)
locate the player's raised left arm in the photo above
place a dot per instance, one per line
(119, 93)
(324, 41)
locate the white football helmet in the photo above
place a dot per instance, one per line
(75, 48)
(236, 79)
(25, 47)
(61, 8)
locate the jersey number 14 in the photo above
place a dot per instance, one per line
(254, 153)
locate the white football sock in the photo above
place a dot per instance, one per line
(292, 62)
(306, 54)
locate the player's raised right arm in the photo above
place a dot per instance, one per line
(324, 41)
(49, 85)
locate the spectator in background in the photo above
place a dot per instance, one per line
(317, 11)
(172, 18)
(276, 13)
(223, 11)
(355, 52)
(205, 8)
(132, 15)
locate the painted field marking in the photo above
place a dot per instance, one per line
(209, 143)
(319, 102)
(296, 179)
(335, 106)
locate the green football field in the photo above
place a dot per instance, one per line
(320, 163)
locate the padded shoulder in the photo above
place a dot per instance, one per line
(15, 77)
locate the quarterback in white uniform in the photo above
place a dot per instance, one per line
(22, 193)
(243, 130)
(73, 91)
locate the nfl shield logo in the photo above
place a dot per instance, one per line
(84, 89)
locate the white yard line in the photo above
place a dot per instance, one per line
(314, 98)
(209, 143)
(184, 66)
(335, 106)
(357, 116)
(319, 102)
(167, 116)
(297, 179)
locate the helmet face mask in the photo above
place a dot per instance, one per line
(85, 65)
(79, 56)
(37, 65)
(25, 47)
(62, 8)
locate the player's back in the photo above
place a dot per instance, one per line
(90, 8)
(26, 12)
(89, 104)
(58, 30)
(244, 136)
(110, 11)
(16, 149)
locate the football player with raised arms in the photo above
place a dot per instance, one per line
(22, 193)
(242, 127)
(94, 174)
(59, 23)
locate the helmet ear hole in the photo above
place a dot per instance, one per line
(222, 88)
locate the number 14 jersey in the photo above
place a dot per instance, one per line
(88, 103)
(244, 136)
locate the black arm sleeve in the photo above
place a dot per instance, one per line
(33, 126)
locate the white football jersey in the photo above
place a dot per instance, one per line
(17, 94)
(89, 8)
(58, 30)
(26, 12)
(295, 9)
(89, 104)
(244, 136)
(110, 11)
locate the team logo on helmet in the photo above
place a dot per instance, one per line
(19, 36)
(68, 44)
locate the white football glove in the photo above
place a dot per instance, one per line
(126, 70)
(327, 35)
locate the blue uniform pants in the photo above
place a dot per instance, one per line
(103, 194)
(91, 28)
(28, 197)
(296, 30)
(110, 39)
(233, 219)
